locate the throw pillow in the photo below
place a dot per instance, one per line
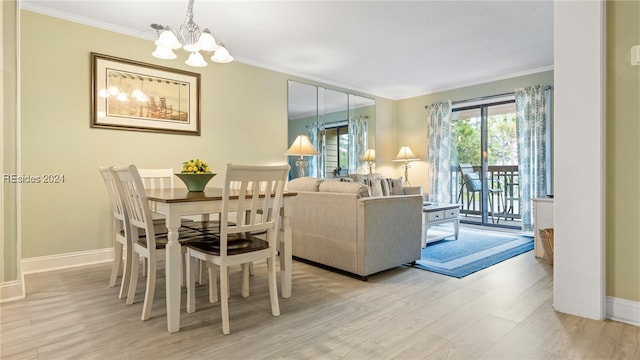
(396, 186)
(386, 187)
(375, 187)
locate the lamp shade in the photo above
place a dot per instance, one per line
(369, 155)
(301, 146)
(164, 53)
(168, 39)
(206, 42)
(406, 154)
(196, 60)
(222, 55)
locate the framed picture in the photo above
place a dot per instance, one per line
(130, 95)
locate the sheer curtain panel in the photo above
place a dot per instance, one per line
(531, 128)
(439, 122)
(358, 142)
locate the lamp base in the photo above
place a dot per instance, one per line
(301, 164)
(406, 173)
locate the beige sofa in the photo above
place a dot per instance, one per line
(337, 224)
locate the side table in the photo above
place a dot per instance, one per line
(439, 213)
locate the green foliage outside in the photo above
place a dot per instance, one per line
(343, 148)
(465, 140)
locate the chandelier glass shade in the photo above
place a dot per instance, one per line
(190, 38)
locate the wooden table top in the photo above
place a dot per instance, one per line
(175, 195)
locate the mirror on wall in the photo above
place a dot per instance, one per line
(340, 125)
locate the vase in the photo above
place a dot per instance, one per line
(195, 182)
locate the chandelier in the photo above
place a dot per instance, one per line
(190, 39)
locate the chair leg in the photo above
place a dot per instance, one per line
(150, 290)
(213, 282)
(117, 263)
(273, 286)
(224, 298)
(133, 279)
(245, 280)
(126, 273)
(201, 267)
(493, 218)
(191, 281)
(471, 200)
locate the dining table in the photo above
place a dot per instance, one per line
(176, 203)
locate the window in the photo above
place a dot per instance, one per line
(484, 136)
(337, 150)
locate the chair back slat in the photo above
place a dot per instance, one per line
(112, 190)
(157, 178)
(262, 188)
(136, 202)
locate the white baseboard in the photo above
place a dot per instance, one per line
(12, 290)
(64, 261)
(622, 310)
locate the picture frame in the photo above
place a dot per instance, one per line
(131, 95)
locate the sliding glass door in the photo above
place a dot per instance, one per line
(484, 163)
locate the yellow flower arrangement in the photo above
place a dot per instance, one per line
(196, 166)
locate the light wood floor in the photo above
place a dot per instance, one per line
(503, 312)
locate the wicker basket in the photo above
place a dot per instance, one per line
(547, 243)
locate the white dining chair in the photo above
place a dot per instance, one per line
(120, 225)
(157, 178)
(147, 243)
(235, 244)
(164, 178)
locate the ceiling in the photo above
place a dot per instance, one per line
(393, 49)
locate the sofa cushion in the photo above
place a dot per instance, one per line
(344, 187)
(304, 184)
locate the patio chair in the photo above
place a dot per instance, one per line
(472, 182)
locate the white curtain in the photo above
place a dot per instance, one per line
(358, 129)
(439, 122)
(316, 163)
(531, 128)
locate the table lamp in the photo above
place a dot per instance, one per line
(369, 156)
(302, 147)
(406, 155)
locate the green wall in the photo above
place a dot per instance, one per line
(243, 120)
(623, 152)
(412, 115)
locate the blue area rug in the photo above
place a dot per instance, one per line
(473, 251)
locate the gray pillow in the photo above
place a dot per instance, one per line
(396, 186)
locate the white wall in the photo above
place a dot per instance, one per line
(579, 158)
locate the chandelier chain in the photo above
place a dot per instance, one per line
(189, 25)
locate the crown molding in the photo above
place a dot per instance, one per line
(83, 20)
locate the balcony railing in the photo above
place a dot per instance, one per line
(504, 203)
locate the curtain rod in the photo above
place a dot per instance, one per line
(482, 98)
(488, 97)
